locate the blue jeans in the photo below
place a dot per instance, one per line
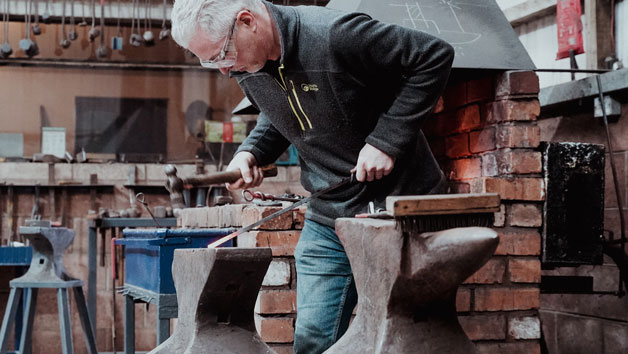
(326, 293)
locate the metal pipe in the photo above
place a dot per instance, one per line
(615, 179)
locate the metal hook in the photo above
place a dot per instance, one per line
(139, 197)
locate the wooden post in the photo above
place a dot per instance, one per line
(597, 32)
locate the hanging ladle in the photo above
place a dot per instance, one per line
(46, 15)
(93, 32)
(65, 42)
(101, 52)
(5, 48)
(36, 28)
(83, 23)
(26, 44)
(72, 35)
(149, 38)
(165, 31)
(135, 39)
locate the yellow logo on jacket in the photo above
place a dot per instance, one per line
(309, 87)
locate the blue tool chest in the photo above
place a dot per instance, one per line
(15, 256)
(148, 254)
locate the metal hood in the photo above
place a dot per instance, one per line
(478, 29)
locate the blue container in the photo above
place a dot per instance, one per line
(16, 256)
(149, 253)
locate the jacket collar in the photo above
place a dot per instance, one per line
(286, 19)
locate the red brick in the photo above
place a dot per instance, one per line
(521, 347)
(506, 299)
(252, 214)
(440, 125)
(491, 273)
(480, 89)
(523, 242)
(463, 300)
(466, 168)
(500, 216)
(457, 146)
(275, 329)
(484, 327)
(468, 118)
(482, 140)
(532, 189)
(524, 270)
(512, 83)
(518, 136)
(459, 188)
(525, 215)
(282, 243)
(276, 302)
(511, 110)
(519, 162)
(298, 217)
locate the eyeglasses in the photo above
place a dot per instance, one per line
(228, 54)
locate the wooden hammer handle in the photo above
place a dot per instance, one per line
(225, 177)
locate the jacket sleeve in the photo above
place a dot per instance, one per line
(421, 62)
(265, 142)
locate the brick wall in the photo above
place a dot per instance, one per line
(484, 135)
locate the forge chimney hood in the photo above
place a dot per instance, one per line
(477, 29)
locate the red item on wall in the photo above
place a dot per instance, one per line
(569, 27)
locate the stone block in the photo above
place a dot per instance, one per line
(196, 217)
(615, 337)
(506, 299)
(525, 215)
(282, 243)
(602, 306)
(278, 273)
(484, 327)
(524, 270)
(524, 327)
(489, 165)
(276, 302)
(457, 146)
(512, 83)
(518, 136)
(252, 214)
(512, 111)
(14, 172)
(491, 273)
(579, 335)
(275, 329)
(482, 140)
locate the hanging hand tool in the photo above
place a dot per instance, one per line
(72, 35)
(101, 52)
(65, 42)
(46, 15)
(250, 196)
(165, 32)
(244, 229)
(93, 31)
(26, 44)
(135, 39)
(117, 41)
(5, 48)
(36, 27)
(149, 38)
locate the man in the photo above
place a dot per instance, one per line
(350, 93)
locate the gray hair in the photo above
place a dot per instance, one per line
(212, 16)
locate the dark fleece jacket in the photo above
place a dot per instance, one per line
(345, 80)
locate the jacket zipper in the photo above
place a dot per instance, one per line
(284, 87)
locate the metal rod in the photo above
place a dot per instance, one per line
(592, 71)
(615, 179)
(100, 65)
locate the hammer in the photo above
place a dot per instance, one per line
(176, 185)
